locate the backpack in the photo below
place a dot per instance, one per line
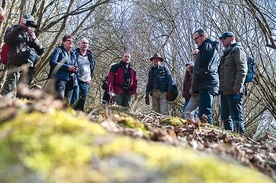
(174, 91)
(251, 65)
(4, 54)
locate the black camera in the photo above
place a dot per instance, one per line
(30, 24)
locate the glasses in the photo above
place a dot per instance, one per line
(197, 37)
(70, 41)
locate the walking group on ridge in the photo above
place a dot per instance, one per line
(206, 76)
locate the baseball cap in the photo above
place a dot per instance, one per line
(29, 17)
(227, 34)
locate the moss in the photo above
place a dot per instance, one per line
(59, 147)
(178, 165)
(173, 121)
(132, 123)
(46, 143)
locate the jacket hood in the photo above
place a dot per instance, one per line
(214, 43)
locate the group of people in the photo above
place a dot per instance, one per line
(72, 70)
(212, 75)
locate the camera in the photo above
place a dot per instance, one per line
(30, 24)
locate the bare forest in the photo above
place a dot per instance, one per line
(144, 27)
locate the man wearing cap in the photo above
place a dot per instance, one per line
(232, 74)
(205, 73)
(159, 85)
(24, 47)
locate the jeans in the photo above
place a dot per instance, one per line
(75, 95)
(184, 107)
(205, 104)
(159, 102)
(123, 99)
(83, 90)
(231, 111)
(192, 106)
(63, 90)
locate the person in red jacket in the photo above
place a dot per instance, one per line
(122, 81)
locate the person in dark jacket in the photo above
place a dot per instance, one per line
(122, 81)
(187, 84)
(24, 48)
(232, 74)
(205, 80)
(190, 111)
(159, 85)
(64, 68)
(86, 65)
(106, 97)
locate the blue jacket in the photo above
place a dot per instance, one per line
(205, 70)
(60, 61)
(162, 80)
(90, 58)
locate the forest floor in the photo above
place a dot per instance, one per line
(203, 137)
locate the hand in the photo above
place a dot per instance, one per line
(112, 94)
(147, 100)
(32, 34)
(112, 97)
(72, 68)
(168, 95)
(237, 96)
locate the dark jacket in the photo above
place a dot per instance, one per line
(60, 61)
(20, 42)
(232, 70)
(117, 80)
(205, 70)
(90, 58)
(187, 85)
(159, 78)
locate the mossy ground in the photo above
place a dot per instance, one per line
(60, 147)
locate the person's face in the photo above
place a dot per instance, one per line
(126, 58)
(155, 61)
(226, 41)
(83, 44)
(198, 39)
(189, 68)
(68, 44)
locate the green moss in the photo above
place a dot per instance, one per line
(45, 143)
(173, 121)
(178, 165)
(59, 147)
(132, 123)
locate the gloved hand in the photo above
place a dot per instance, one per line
(237, 96)
(147, 100)
(168, 95)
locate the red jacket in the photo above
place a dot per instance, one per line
(116, 80)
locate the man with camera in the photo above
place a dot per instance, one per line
(24, 48)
